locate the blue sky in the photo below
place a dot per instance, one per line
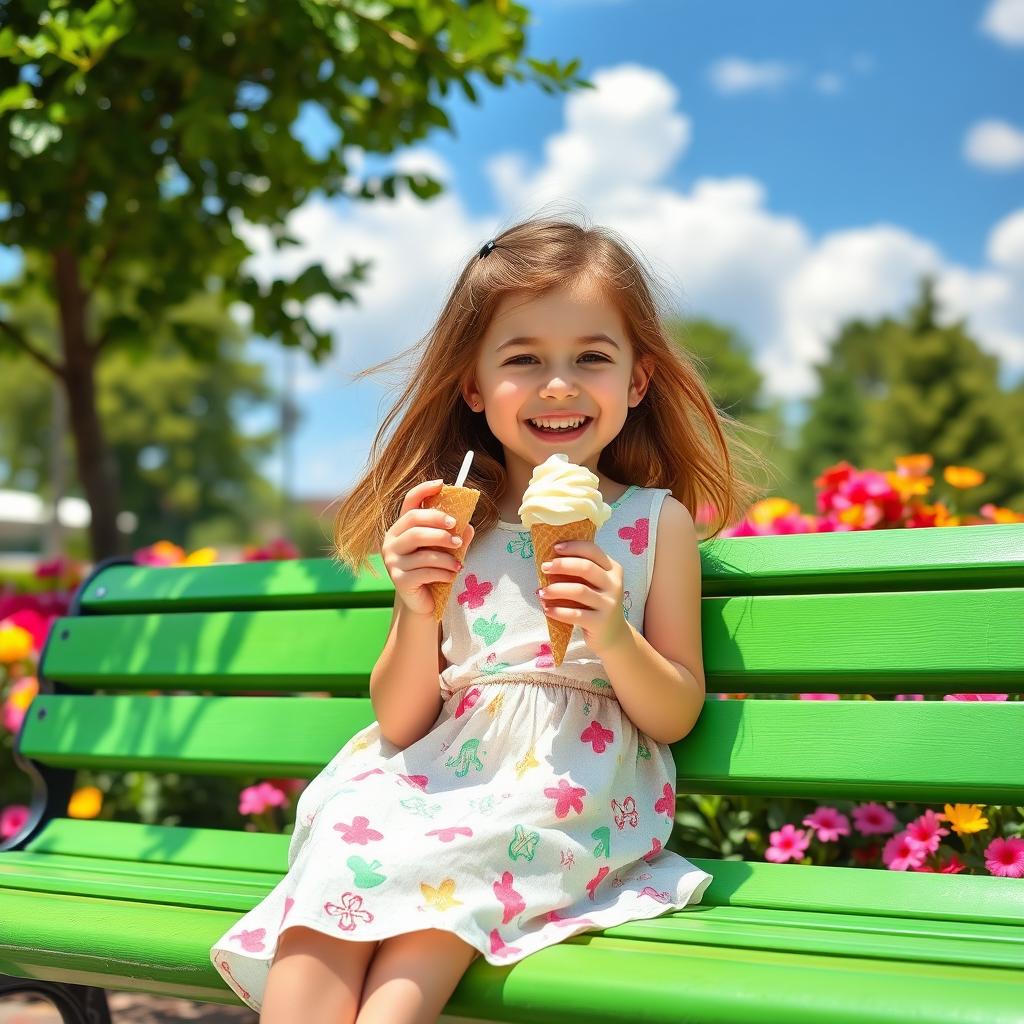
(783, 166)
(887, 146)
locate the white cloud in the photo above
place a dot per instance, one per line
(994, 145)
(1004, 21)
(633, 109)
(731, 75)
(717, 245)
(1006, 244)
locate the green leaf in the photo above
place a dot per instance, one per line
(18, 97)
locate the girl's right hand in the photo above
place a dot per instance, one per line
(417, 549)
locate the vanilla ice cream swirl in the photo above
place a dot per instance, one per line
(561, 492)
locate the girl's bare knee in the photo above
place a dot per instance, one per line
(315, 977)
(412, 977)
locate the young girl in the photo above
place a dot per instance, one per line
(518, 803)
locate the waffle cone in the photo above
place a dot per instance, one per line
(545, 536)
(458, 502)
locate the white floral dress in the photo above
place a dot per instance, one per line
(531, 811)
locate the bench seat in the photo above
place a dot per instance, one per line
(137, 906)
(196, 669)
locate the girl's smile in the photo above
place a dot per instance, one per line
(556, 434)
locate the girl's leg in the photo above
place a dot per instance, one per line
(315, 979)
(412, 976)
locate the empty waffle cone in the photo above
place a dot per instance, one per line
(458, 502)
(545, 536)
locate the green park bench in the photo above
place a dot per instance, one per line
(88, 905)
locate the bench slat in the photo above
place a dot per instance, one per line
(947, 751)
(933, 642)
(758, 884)
(165, 950)
(985, 556)
(796, 931)
(858, 560)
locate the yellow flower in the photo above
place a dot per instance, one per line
(201, 556)
(852, 516)
(965, 818)
(962, 477)
(766, 511)
(85, 802)
(23, 692)
(909, 486)
(15, 644)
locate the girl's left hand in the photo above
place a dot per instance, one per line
(595, 603)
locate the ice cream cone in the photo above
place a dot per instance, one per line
(458, 502)
(545, 536)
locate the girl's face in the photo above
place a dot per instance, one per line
(563, 355)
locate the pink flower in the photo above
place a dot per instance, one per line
(819, 696)
(598, 736)
(12, 820)
(975, 696)
(925, 832)
(873, 819)
(952, 867)
(828, 823)
(788, 843)
(900, 853)
(1005, 857)
(257, 799)
(567, 797)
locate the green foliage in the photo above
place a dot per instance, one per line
(914, 384)
(138, 135)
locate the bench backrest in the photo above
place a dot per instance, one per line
(930, 611)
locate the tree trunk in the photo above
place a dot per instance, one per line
(97, 470)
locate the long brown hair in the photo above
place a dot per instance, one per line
(676, 437)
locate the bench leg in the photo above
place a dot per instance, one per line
(76, 1004)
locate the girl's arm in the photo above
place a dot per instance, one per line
(404, 686)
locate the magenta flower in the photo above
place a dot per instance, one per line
(976, 696)
(926, 832)
(256, 799)
(873, 819)
(788, 843)
(819, 696)
(828, 824)
(900, 854)
(598, 736)
(12, 820)
(1005, 857)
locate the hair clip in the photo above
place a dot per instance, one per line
(486, 249)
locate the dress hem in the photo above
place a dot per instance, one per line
(628, 916)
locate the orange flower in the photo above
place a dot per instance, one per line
(85, 802)
(998, 514)
(908, 487)
(962, 477)
(913, 466)
(943, 517)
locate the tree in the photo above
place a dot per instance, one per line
(187, 471)
(908, 385)
(134, 138)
